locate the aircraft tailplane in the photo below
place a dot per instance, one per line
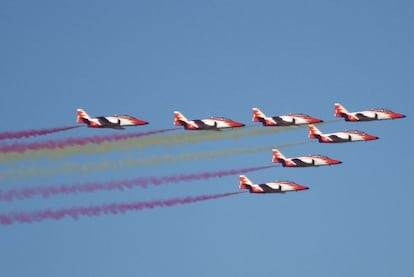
(82, 116)
(277, 156)
(340, 111)
(257, 115)
(179, 118)
(313, 131)
(244, 182)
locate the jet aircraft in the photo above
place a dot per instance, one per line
(269, 187)
(368, 115)
(115, 121)
(344, 136)
(305, 161)
(283, 120)
(212, 123)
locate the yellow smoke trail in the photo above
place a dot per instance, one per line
(141, 143)
(133, 162)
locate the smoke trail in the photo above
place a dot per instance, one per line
(128, 140)
(32, 133)
(60, 149)
(59, 144)
(143, 182)
(133, 162)
(97, 210)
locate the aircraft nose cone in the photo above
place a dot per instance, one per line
(141, 122)
(300, 187)
(370, 137)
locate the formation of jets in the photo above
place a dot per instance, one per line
(218, 123)
(313, 133)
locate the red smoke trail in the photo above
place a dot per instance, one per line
(58, 144)
(32, 133)
(119, 185)
(116, 208)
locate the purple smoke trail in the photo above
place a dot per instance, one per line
(32, 133)
(58, 144)
(76, 212)
(143, 182)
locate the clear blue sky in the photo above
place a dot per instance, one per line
(221, 58)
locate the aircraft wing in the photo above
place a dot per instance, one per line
(203, 126)
(282, 122)
(108, 124)
(267, 189)
(336, 138)
(363, 117)
(300, 163)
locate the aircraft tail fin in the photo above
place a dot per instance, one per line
(277, 156)
(257, 115)
(244, 182)
(339, 110)
(82, 116)
(179, 118)
(313, 132)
